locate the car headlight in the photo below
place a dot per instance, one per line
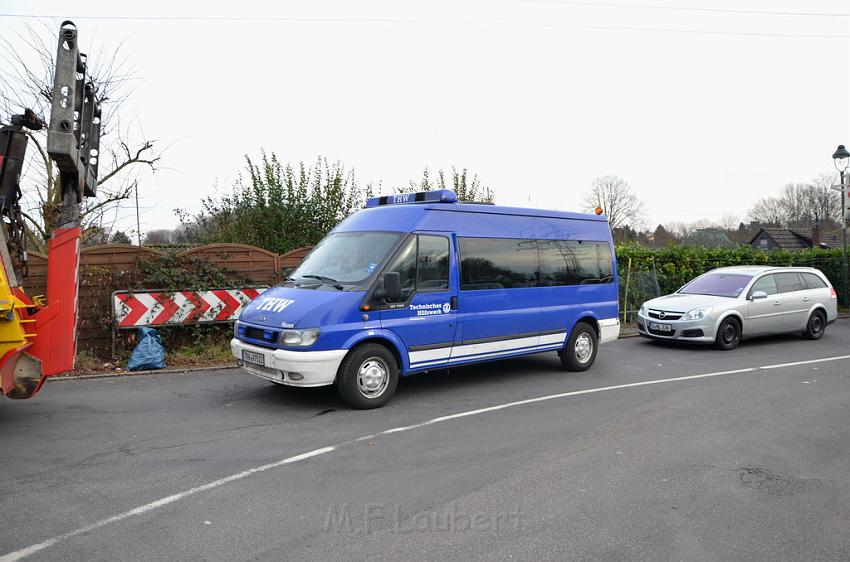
(642, 310)
(299, 338)
(697, 313)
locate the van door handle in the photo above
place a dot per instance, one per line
(453, 303)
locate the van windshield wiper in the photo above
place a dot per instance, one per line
(326, 280)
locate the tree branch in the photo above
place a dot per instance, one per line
(132, 159)
(35, 224)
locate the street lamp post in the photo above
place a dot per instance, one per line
(841, 159)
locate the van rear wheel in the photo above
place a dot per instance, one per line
(367, 377)
(580, 352)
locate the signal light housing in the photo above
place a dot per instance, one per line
(434, 196)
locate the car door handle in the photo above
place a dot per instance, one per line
(453, 303)
(777, 303)
(805, 299)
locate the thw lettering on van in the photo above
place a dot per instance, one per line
(274, 304)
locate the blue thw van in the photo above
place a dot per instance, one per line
(418, 281)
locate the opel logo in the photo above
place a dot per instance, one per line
(662, 314)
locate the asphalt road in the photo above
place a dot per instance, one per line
(752, 464)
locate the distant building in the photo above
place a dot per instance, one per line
(709, 238)
(790, 239)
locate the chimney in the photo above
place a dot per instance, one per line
(816, 233)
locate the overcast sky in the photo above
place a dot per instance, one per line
(702, 110)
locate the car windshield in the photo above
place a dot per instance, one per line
(345, 258)
(717, 285)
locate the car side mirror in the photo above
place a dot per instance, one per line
(392, 286)
(758, 295)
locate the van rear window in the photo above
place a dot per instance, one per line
(570, 262)
(508, 263)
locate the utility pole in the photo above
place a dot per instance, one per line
(844, 268)
(138, 222)
(841, 159)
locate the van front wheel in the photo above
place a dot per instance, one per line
(580, 351)
(367, 377)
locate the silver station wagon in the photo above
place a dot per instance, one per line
(725, 305)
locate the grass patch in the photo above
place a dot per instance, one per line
(210, 353)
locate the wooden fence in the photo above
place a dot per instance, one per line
(113, 267)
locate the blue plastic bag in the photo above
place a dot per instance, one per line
(148, 353)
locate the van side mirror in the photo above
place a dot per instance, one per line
(392, 286)
(758, 295)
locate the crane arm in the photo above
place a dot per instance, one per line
(38, 336)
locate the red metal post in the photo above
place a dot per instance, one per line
(55, 343)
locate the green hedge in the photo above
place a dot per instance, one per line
(655, 272)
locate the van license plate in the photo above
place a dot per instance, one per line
(251, 357)
(660, 327)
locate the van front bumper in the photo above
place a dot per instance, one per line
(316, 368)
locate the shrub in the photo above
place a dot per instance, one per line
(654, 272)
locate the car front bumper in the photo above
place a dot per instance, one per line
(694, 331)
(316, 368)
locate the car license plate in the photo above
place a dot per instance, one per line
(660, 327)
(252, 357)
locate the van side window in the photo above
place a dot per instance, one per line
(497, 263)
(788, 282)
(766, 284)
(570, 262)
(813, 281)
(433, 263)
(404, 263)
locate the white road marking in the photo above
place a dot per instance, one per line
(18, 554)
(24, 552)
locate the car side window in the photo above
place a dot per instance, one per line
(433, 263)
(404, 263)
(813, 281)
(789, 282)
(766, 284)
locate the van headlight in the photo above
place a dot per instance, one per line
(299, 338)
(698, 313)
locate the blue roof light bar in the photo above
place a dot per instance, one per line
(435, 196)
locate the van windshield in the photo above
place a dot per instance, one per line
(345, 258)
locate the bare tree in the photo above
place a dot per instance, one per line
(798, 205)
(769, 211)
(729, 221)
(617, 199)
(30, 56)
(159, 236)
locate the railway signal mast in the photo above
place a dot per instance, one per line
(38, 335)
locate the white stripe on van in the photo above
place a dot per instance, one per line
(443, 362)
(484, 350)
(493, 346)
(429, 355)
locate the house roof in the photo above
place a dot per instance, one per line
(788, 238)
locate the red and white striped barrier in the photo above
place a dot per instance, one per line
(155, 308)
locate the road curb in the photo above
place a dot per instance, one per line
(95, 375)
